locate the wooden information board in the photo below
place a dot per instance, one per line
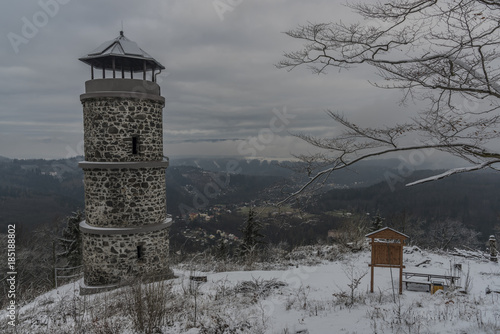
(387, 251)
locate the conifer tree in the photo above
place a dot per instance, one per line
(252, 235)
(377, 223)
(71, 241)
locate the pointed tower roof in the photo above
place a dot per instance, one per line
(124, 53)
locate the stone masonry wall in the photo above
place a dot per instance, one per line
(111, 122)
(108, 259)
(123, 129)
(125, 197)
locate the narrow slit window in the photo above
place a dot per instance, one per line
(140, 252)
(135, 145)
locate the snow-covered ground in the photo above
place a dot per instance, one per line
(323, 298)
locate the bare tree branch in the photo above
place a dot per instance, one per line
(343, 165)
(454, 171)
(443, 53)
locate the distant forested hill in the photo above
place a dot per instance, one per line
(37, 191)
(473, 198)
(34, 192)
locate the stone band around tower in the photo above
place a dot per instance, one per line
(125, 197)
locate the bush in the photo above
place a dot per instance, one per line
(147, 305)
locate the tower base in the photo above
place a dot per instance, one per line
(91, 290)
(94, 289)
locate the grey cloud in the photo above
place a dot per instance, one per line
(220, 82)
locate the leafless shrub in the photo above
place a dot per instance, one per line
(234, 318)
(449, 234)
(105, 326)
(259, 288)
(223, 290)
(467, 281)
(379, 298)
(355, 275)
(299, 299)
(147, 305)
(219, 325)
(351, 234)
(406, 319)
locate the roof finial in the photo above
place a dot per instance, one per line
(121, 31)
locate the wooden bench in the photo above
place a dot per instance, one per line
(446, 280)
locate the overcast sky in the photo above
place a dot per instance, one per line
(220, 82)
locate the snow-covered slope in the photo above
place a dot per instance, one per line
(322, 298)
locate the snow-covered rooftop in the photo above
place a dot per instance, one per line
(126, 54)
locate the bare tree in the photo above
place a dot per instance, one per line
(441, 53)
(449, 234)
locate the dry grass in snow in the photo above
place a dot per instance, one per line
(329, 296)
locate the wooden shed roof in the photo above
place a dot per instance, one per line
(387, 233)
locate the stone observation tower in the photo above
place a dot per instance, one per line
(126, 227)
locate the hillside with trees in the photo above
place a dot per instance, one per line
(472, 199)
(37, 192)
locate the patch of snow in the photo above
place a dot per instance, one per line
(313, 299)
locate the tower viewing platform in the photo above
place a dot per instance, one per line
(122, 57)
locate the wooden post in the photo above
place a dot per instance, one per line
(493, 249)
(144, 70)
(371, 281)
(54, 263)
(92, 72)
(372, 266)
(113, 61)
(401, 280)
(401, 267)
